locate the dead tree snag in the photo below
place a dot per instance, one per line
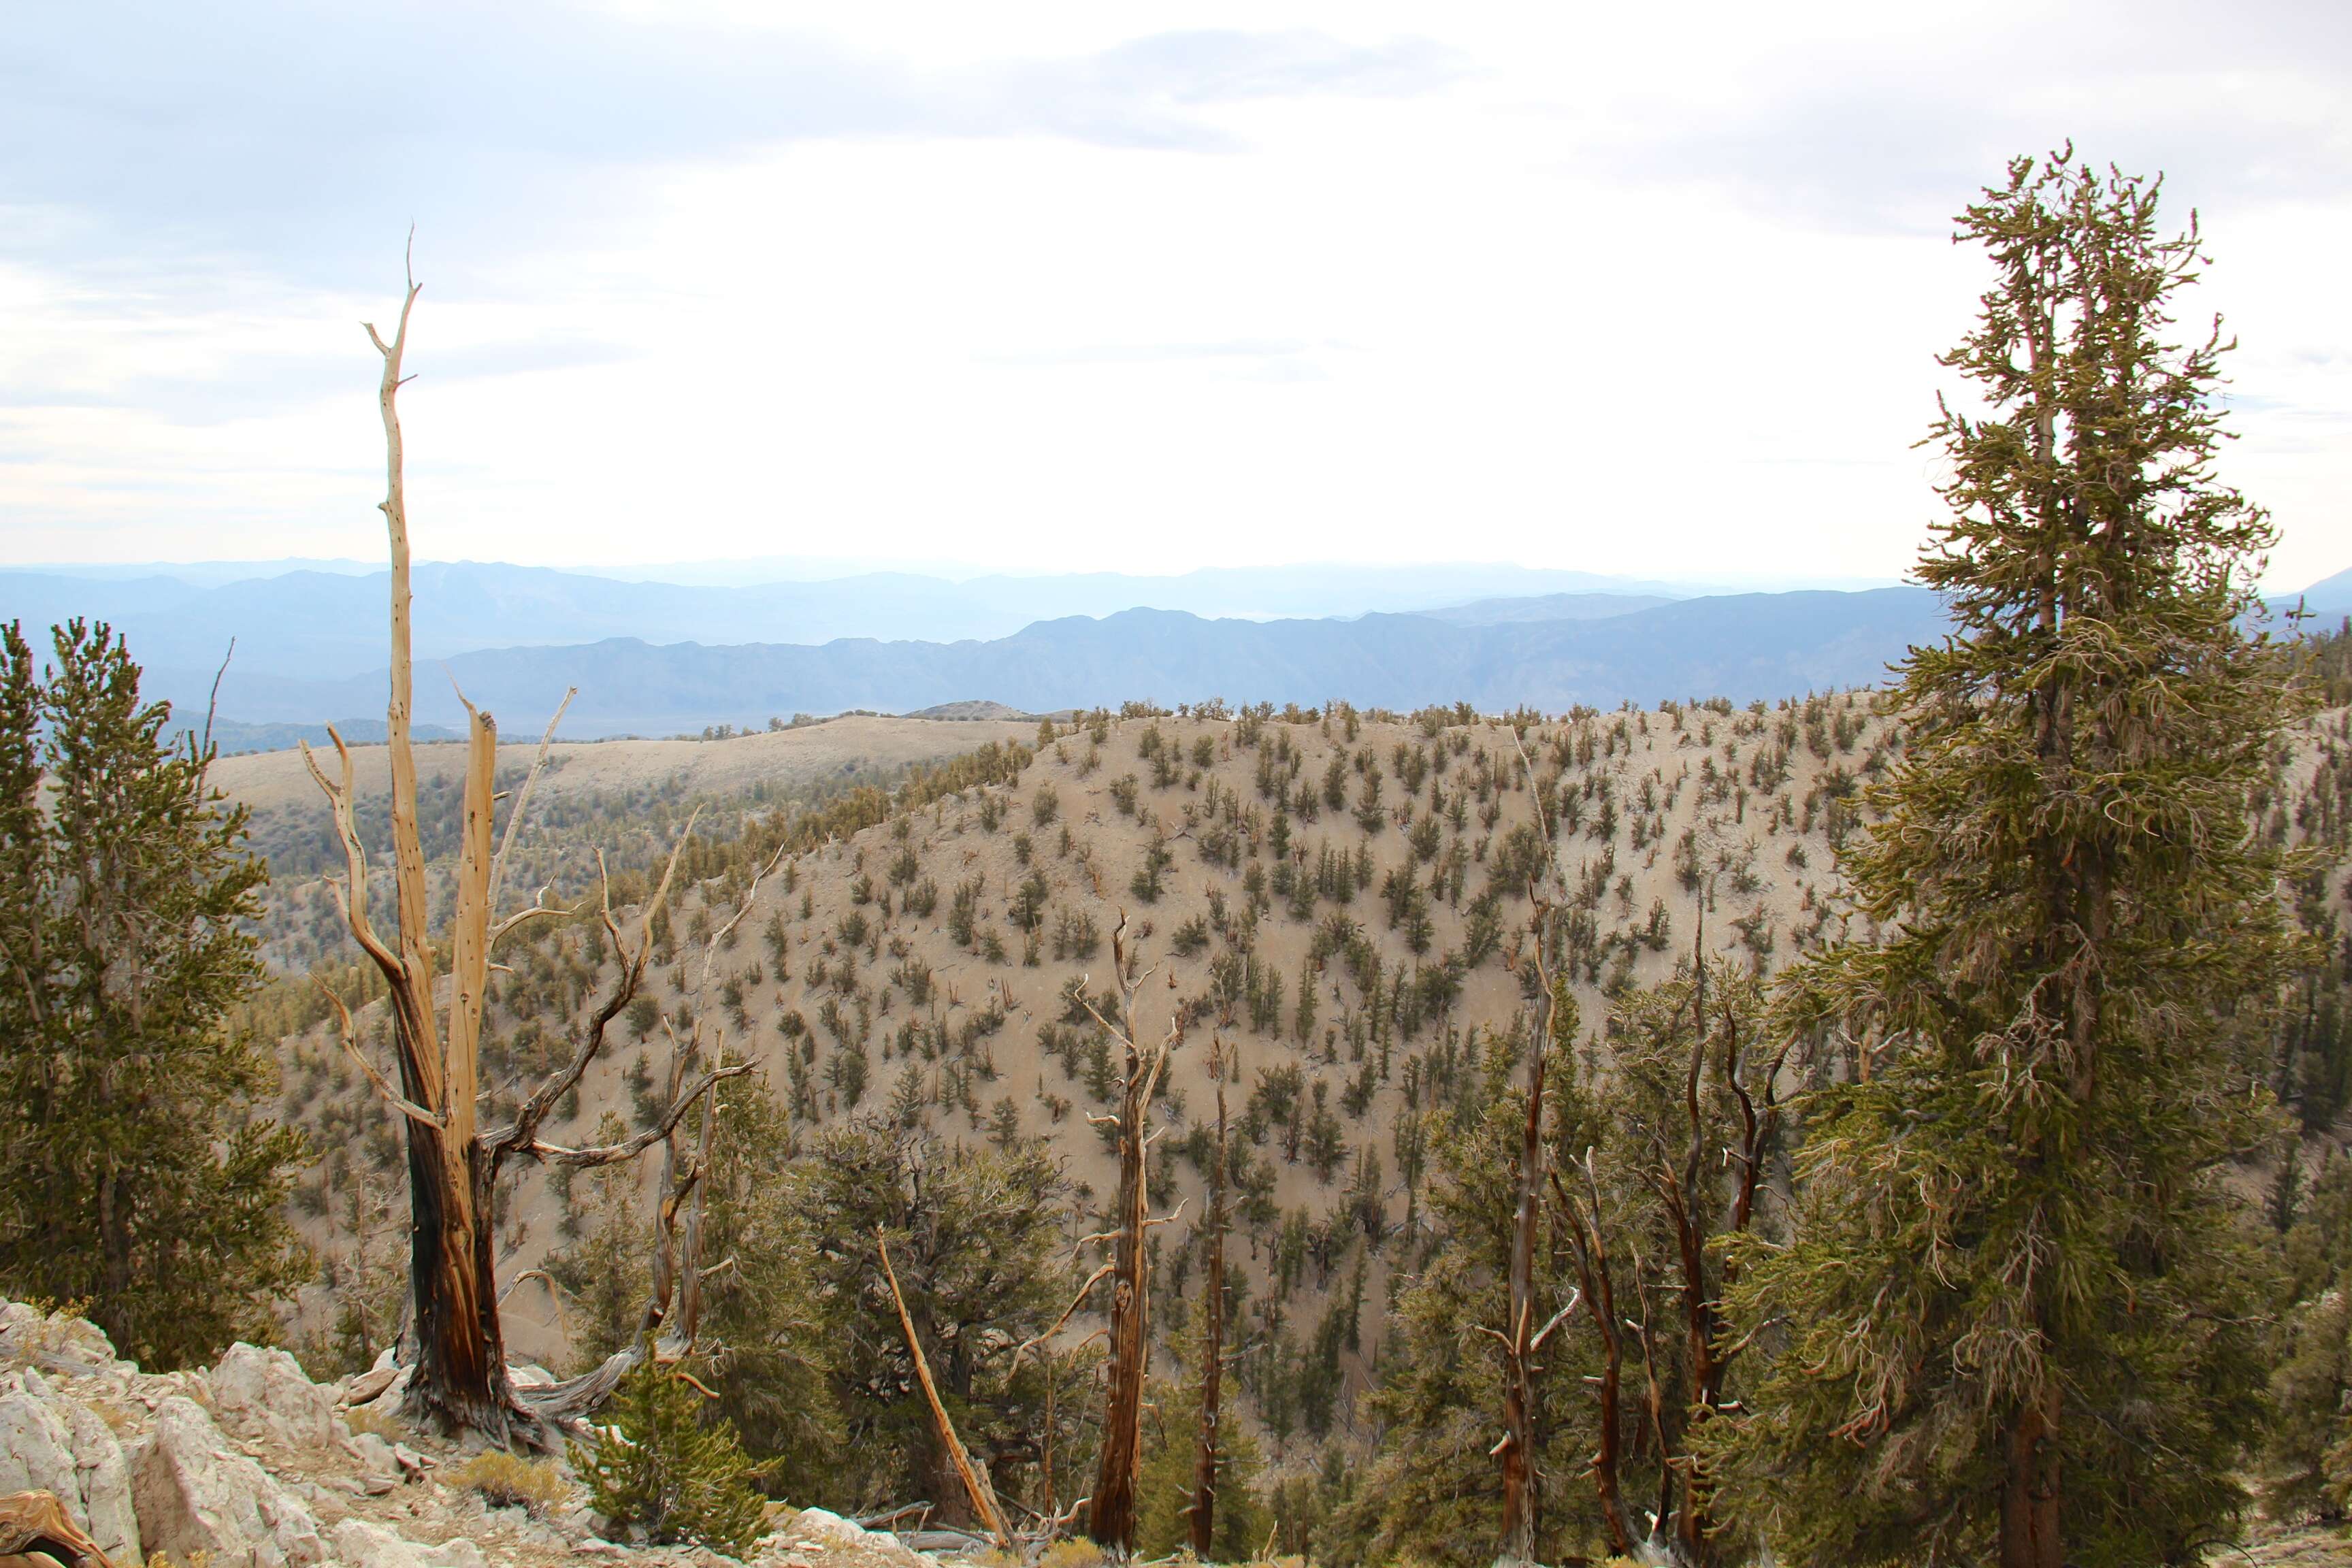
(454, 1347)
(1202, 1512)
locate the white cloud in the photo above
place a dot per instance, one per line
(1105, 286)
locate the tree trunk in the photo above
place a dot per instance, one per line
(1203, 1509)
(1112, 1519)
(1518, 1443)
(2030, 1493)
(460, 1381)
(1590, 1249)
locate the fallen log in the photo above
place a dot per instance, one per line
(34, 1525)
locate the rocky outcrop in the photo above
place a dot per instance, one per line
(254, 1466)
(49, 1442)
(263, 1393)
(365, 1546)
(109, 1512)
(196, 1494)
(815, 1537)
(29, 1337)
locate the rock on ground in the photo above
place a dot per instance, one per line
(263, 1392)
(49, 1442)
(363, 1544)
(30, 1337)
(195, 1494)
(820, 1539)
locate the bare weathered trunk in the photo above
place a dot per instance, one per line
(2030, 1491)
(1517, 1446)
(973, 1480)
(1588, 1243)
(1112, 1521)
(461, 1380)
(1682, 1196)
(1203, 1506)
(458, 1380)
(1110, 1518)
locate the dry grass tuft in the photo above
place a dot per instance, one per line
(507, 1481)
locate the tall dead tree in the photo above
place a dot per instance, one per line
(453, 1345)
(1687, 1198)
(1521, 1338)
(1704, 1191)
(1202, 1509)
(1588, 1243)
(1110, 1516)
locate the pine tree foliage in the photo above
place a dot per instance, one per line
(765, 1326)
(1171, 1420)
(2015, 1318)
(978, 1238)
(665, 1465)
(2306, 1453)
(605, 1273)
(1430, 1493)
(1619, 1138)
(135, 1174)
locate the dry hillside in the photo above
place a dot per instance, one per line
(1344, 896)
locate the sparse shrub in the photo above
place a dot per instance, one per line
(1149, 881)
(1073, 1553)
(508, 1481)
(1190, 937)
(371, 1418)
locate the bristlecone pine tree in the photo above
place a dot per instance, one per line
(453, 1344)
(135, 1174)
(2012, 1323)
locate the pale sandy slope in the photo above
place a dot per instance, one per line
(276, 780)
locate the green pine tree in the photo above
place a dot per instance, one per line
(1171, 1432)
(136, 1174)
(664, 1465)
(760, 1309)
(2014, 1322)
(606, 1272)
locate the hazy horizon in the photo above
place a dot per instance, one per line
(1058, 288)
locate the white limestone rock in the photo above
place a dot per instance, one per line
(196, 1494)
(104, 1472)
(58, 1343)
(261, 1393)
(820, 1536)
(35, 1445)
(52, 1442)
(362, 1543)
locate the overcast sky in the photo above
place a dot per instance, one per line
(1646, 290)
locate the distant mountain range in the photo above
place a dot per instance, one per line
(312, 623)
(1741, 647)
(658, 658)
(2328, 596)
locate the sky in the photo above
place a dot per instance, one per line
(1105, 286)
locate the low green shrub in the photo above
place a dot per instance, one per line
(662, 1464)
